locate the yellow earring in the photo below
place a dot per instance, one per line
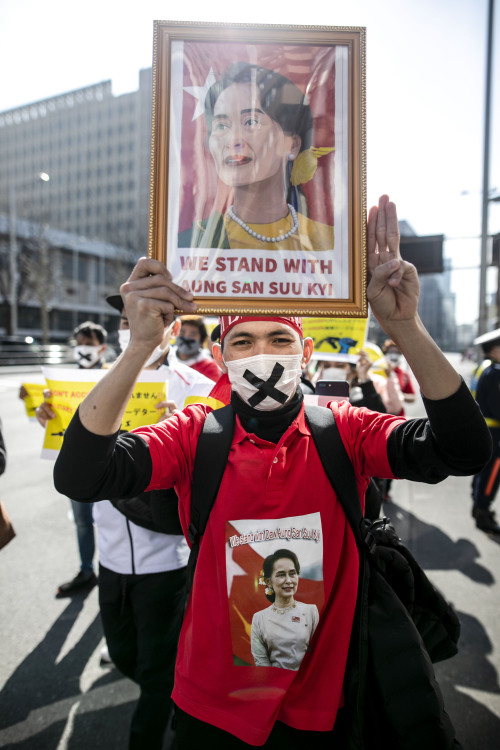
(306, 163)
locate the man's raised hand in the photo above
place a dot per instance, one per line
(150, 298)
(393, 287)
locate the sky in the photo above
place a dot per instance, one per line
(425, 91)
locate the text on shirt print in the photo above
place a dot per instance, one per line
(275, 589)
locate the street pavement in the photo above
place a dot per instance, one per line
(55, 695)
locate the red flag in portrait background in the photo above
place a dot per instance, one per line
(247, 596)
(311, 68)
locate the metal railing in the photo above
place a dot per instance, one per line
(35, 354)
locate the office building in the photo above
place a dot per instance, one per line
(95, 148)
(62, 275)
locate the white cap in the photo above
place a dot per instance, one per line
(487, 337)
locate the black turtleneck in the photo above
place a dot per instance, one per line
(268, 425)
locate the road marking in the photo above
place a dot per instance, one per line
(68, 729)
(486, 698)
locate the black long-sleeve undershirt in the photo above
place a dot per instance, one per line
(453, 440)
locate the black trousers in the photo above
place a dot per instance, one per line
(141, 618)
(192, 733)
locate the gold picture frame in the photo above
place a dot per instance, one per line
(258, 167)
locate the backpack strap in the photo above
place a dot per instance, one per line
(210, 462)
(337, 465)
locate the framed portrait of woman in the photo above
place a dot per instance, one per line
(258, 170)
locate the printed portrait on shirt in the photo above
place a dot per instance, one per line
(275, 589)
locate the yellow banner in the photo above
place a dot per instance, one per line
(32, 397)
(69, 388)
(338, 339)
(208, 400)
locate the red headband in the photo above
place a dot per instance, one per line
(229, 321)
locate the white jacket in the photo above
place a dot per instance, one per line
(125, 547)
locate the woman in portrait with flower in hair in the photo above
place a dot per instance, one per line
(260, 134)
(282, 632)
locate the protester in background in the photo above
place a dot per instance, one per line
(142, 571)
(273, 472)
(387, 386)
(88, 352)
(390, 400)
(189, 347)
(394, 357)
(327, 369)
(90, 345)
(385, 382)
(362, 393)
(487, 393)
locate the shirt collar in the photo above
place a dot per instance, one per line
(299, 423)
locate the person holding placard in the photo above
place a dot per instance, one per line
(88, 352)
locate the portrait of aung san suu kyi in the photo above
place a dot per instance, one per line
(281, 633)
(260, 145)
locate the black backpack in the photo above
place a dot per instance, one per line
(402, 622)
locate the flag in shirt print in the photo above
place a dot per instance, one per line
(273, 616)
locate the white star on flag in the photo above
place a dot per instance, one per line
(199, 93)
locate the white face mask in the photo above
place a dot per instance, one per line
(187, 347)
(334, 373)
(124, 340)
(87, 356)
(265, 381)
(393, 357)
(160, 351)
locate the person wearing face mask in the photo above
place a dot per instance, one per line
(90, 345)
(362, 391)
(88, 351)
(189, 347)
(273, 478)
(393, 356)
(332, 370)
(142, 568)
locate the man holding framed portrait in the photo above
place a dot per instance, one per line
(260, 98)
(275, 493)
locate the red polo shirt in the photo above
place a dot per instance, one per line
(271, 497)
